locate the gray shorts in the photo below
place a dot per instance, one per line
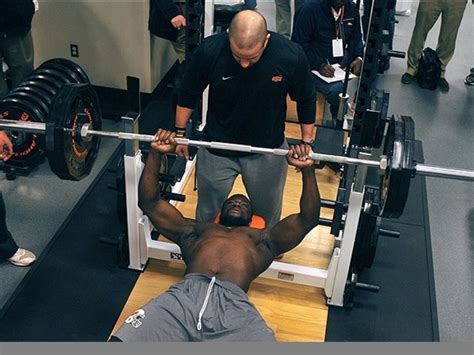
(226, 315)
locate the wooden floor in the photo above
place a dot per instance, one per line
(296, 313)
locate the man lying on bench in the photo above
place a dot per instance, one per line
(222, 260)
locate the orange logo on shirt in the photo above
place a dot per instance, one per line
(277, 79)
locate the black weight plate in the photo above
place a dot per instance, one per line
(367, 231)
(374, 120)
(364, 233)
(34, 114)
(43, 84)
(73, 66)
(27, 147)
(52, 73)
(395, 184)
(30, 98)
(46, 92)
(378, 137)
(372, 243)
(72, 75)
(49, 80)
(73, 157)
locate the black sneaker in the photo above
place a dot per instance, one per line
(443, 85)
(407, 78)
(469, 80)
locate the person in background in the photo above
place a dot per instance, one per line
(324, 29)
(16, 42)
(451, 12)
(9, 250)
(249, 5)
(283, 16)
(167, 20)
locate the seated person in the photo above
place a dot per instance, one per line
(329, 32)
(221, 260)
(8, 248)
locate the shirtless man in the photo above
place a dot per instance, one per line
(222, 260)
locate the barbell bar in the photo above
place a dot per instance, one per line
(421, 169)
(86, 133)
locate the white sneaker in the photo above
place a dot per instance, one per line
(22, 257)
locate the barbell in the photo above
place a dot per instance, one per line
(73, 138)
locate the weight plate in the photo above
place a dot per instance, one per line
(374, 120)
(31, 98)
(72, 75)
(27, 147)
(46, 91)
(367, 231)
(49, 80)
(73, 157)
(53, 73)
(395, 184)
(73, 66)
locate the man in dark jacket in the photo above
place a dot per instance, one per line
(167, 21)
(16, 43)
(329, 32)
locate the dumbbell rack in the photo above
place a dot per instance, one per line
(142, 247)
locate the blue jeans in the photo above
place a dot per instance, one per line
(249, 5)
(331, 93)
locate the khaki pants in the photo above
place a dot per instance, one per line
(17, 52)
(451, 12)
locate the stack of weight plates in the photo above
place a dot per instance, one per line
(32, 100)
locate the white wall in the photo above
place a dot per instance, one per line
(112, 36)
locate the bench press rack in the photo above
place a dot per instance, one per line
(142, 247)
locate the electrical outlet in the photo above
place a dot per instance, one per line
(74, 50)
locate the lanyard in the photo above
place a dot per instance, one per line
(339, 22)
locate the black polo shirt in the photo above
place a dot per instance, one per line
(248, 106)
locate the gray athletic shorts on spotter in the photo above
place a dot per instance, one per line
(199, 308)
